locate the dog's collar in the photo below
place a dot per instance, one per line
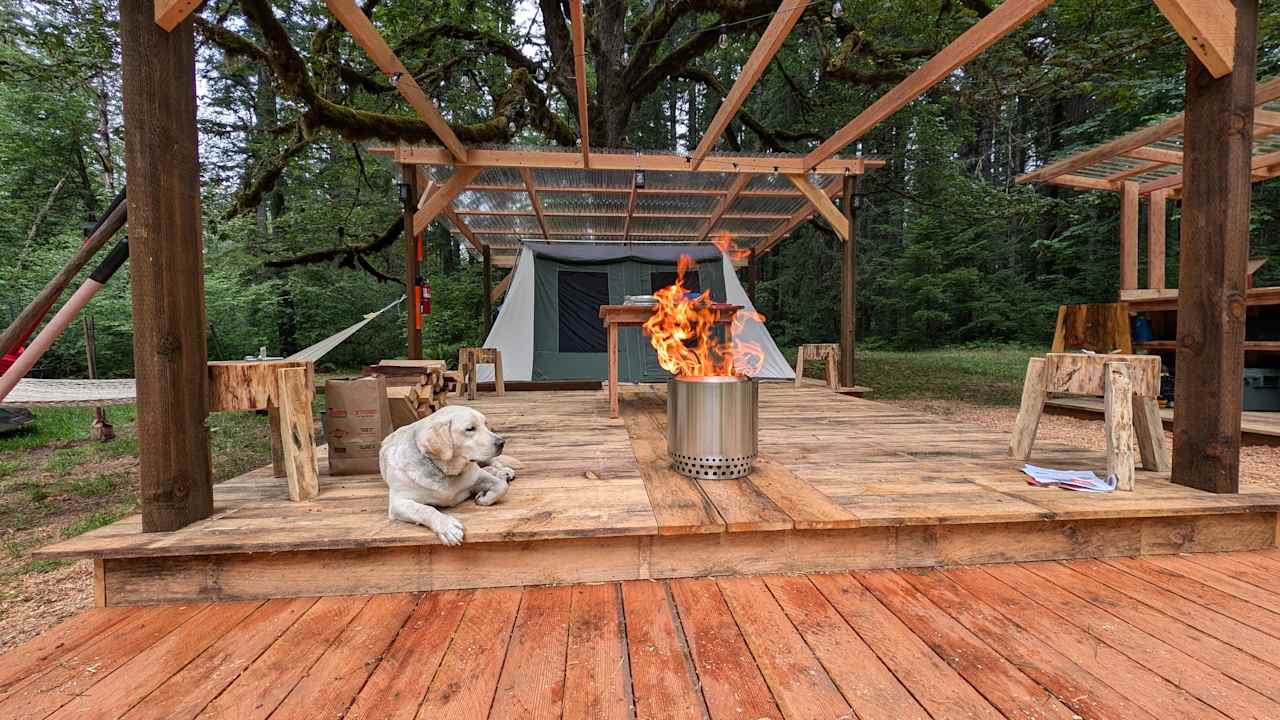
(435, 465)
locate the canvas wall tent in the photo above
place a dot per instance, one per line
(549, 326)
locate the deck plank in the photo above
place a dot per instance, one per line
(798, 682)
(1212, 621)
(934, 683)
(1209, 650)
(43, 693)
(399, 684)
(43, 651)
(867, 685)
(266, 682)
(1239, 565)
(663, 681)
(1000, 681)
(468, 676)
(333, 681)
(1147, 688)
(732, 684)
(120, 690)
(679, 504)
(532, 682)
(1261, 618)
(1214, 578)
(192, 687)
(597, 680)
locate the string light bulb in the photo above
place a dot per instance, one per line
(837, 9)
(724, 39)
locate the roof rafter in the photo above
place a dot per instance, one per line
(999, 22)
(771, 40)
(1208, 27)
(822, 203)
(430, 188)
(631, 209)
(169, 13)
(739, 184)
(580, 73)
(797, 217)
(441, 198)
(527, 175)
(364, 33)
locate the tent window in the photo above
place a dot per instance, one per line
(581, 295)
(663, 278)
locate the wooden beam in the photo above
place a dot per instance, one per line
(441, 198)
(759, 164)
(999, 22)
(1135, 142)
(739, 184)
(693, 236)
(527, 175)
(822, 203)
(784, 19)
(171, 12)
(166, 270)
(1129, 203)
(367, 37)
(797, 217)
(1257, 165)
(1267, 118)
(504, 283)
(409, 175)
(1213, 256)
(1168, 157)
(849, 284)
(1083, 182)
(1208, 27)
(1157, 208)
(580, 76)
(631, 209)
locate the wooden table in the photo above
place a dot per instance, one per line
(616, 316)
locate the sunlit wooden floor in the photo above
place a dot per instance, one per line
(1191, 636)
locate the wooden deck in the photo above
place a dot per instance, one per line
(1172, 636)
(842, 484)
(1264, 425)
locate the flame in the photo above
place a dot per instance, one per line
(681, 330)
(724, 241)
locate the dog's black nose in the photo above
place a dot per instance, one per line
(499, 443)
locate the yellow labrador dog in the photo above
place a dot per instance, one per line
(440, 461)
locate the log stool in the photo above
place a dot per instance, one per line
(469, 358)
(830, 352)
(286, 390)
(1128, 383)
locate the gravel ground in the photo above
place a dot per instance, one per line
(1259, 464)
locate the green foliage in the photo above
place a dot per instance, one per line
(93, 521)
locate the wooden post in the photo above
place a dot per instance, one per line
(1217, 145)
(166, 268)
(296, 392)
(488, 289)
(753, 276)
(1118, 408)
(1129, 235)
(1157, 205)
(413, 336)
(848, 283)
(1029, 412)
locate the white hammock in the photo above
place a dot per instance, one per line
(34, 392)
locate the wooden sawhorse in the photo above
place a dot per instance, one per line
(1128, 383)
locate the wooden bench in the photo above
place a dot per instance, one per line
(830, 354)
(1128, 384)
(470, 358)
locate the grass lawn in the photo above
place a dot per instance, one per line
(983, 376)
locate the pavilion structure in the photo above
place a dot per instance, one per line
(161, 150)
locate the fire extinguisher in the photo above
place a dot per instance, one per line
(426, 298)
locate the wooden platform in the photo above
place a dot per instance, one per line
(842, 484)
(1162, 637)
(1260, 424)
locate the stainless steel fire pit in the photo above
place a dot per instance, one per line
(711, 426)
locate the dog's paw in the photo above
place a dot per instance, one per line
(502, 472)
(489, 497)
(449, 529)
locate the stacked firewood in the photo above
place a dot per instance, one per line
(415, 388)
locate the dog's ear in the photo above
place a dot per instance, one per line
(436, 439)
